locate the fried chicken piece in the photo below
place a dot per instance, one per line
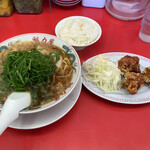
(133, 81)
(129, 64)
(146, 75)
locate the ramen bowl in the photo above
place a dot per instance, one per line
(78, 31)
(66, 48)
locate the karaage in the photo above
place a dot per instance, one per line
(146, 75)
(129, 64)
(133, 81)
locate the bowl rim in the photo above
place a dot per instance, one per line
(91, 20)
(75, 82)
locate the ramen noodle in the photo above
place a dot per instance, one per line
(57, 83)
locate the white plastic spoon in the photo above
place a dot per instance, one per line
(15, 102)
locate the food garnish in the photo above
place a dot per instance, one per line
(104, 74)
(23, 69)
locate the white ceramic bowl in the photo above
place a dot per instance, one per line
(61, 28)
(63, 45)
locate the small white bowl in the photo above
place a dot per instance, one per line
(63, 23)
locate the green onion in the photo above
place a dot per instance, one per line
(23, 70)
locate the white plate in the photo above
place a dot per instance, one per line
(141, 97)
(47, 117)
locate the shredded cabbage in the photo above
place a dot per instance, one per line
(104, 74)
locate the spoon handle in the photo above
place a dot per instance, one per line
(15, 102)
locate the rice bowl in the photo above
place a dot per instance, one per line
(78, 31)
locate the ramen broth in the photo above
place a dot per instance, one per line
(59, 81)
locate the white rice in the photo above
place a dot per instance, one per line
(78, 31)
